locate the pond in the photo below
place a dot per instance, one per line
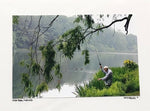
(74, 71)
(77, 73)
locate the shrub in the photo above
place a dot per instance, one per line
(95, 83)
(125, 80)
(80, 90)
(132, 86)
(129, 64)
(132, 82)
(118, 74)
(117, 89)
(92, 92)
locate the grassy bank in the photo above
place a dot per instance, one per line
(125, 83)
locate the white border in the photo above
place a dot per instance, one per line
(140, 10)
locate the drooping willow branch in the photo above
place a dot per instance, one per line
(34, 43)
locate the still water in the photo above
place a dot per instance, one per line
(74, 71)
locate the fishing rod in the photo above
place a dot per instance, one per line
(97, 55)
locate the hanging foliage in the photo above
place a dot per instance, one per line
(57, 71)
(36, 68)
(49, 57)
(87, 20)
(40, 88)
(86, 54)
(28, 87)
(71, 41)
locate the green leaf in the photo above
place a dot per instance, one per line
(40, 88)
(41, 48)
(36, 68)
(88, 21)
(86, 53)
(78, 19)
(22, 63)
(57, 71)
(15, 19)
(48, 53)
(58, 86)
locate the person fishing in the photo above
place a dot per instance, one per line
(108, 75)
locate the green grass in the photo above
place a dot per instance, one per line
(136, 93)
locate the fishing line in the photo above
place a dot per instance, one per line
(97, 53)
(95, 49)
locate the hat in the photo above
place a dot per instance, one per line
(105, 67)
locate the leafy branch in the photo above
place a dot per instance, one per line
(73, 38)
(35, 68)
(104, 27)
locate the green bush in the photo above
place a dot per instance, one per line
(117, 89)
(129, 64)
(132, 86)
(80, 90)
(92, 92)
(125, 80)
(95, 83)
(118, 74)
(132, 82)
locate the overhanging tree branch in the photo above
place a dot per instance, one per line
(118, 20)
(73, 38)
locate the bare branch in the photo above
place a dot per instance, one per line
(50, 24)
(37, 37)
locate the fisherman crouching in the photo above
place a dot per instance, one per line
(108, 76)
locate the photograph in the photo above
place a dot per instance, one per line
(74, 56)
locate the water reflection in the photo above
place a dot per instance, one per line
(66, 91)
